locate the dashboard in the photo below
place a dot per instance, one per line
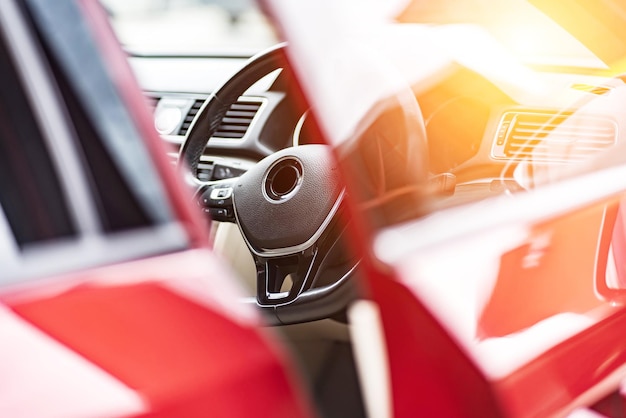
(479, 129)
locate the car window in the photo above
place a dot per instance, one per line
(197, 27)
(109, 138)
(31, 197)
(79, 188)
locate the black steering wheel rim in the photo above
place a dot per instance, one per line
(210, 115)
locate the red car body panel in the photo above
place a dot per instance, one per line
(577, 372)
(559, 270)
(166, 330)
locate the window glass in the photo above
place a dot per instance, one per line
(30, 192)
(129, 194)
(211, 27)
(119, 209)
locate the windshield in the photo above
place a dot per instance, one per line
(198, 27)
(237, 27)
(517, 25)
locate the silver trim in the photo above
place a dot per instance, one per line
(52, 121)
(298, 129)
(293, 191)
(279, 252)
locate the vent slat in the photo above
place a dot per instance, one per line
(246, 106)
(549, 154)
(538, 152)
(552, 136)
(193, 111)
(561, 139)
(237, 121)
(228, 135)
(240, 114)
(233, 128)
(540, 148)
(587, 130)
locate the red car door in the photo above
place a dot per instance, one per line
(501, 292)
(113, 304)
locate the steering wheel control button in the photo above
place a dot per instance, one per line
(283, 179)
(221, 194)
(220, 214)
(217, 201)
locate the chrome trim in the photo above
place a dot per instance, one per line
(279, 252)
(298, 129)
(292, 192)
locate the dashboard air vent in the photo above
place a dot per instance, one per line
(193, 111)
(547, 136)
(238, 119)
(591, 88)
(236, 122)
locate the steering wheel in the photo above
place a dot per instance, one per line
(288, 208)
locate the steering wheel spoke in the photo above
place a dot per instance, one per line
(280, 280)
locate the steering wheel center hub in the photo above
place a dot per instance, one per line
(282, 180)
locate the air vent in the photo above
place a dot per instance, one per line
(238, 119)
(236, 122)
(193, 111)
(205, 170)
(590, 88)
(551, 136)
